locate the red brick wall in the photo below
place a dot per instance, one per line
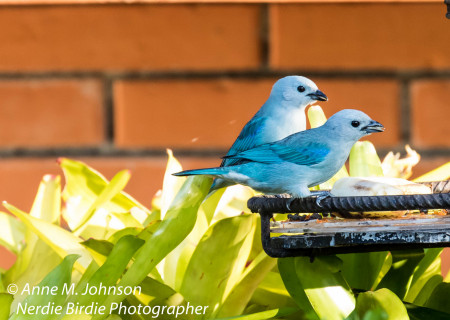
(115, 85)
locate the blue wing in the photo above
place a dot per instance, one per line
(308, 154)
(247, 139)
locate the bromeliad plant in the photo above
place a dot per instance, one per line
(192, 250)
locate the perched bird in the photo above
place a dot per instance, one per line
(299, 161)
(280, 116)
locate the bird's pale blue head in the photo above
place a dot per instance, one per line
(353, 124)
(297, 91)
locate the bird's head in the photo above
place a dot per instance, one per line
(297, 91)
(353, 124)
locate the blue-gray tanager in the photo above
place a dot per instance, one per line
(280, 116)
(299, 161)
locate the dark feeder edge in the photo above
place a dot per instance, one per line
(319, 244)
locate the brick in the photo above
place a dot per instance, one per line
(190, 114)
(123, 37)
(430, 113)
(211, 113)
(7, 258)
(445, 262)
(51, 113)
(377, 98)
(359, 36)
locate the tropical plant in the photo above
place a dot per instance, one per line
(193, 256)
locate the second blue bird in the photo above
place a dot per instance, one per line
(281, 115)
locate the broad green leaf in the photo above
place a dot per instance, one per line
(47, 204)
(111, 270)
(438, 299)
(83, 187)
(177, 224)
(287, 267)
(176, 262)
(422, 313)
(316, 116)
(361, 270)
(12, 233)
(243, 290)
(269, 314)
(171, 184)
(5, 303)
(59, 279)
(427, 289)
(400, 275)
(441, 173)
(43, 259)
(233, 201)
(429, 266)
(364, 161)
(213, 275)
(154, 292)
(117, 184)
(382, 299)
(61, 241)
(325, 287)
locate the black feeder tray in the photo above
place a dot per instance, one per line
(332, 236)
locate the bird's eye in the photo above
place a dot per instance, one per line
(355, 124)
(301, 89)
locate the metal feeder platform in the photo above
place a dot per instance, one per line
(333, 236)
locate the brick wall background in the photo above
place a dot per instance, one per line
(115, 85)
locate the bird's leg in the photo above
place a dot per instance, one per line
(322, 194)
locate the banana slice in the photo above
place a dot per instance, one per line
(376, 186)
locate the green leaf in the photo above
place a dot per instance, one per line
(111, 270)
(438, 299)
(382, 300)
(46, 206)
(269, 314)
(171, 184)
(12, 233)
(117, 184)
(316, 116)
(364, 161)
(59, 279)
(399, 277)
(361, 270)
(325, 287)
(287, 267)
(429, 266)
(210, 277)
(83, 186)
(178, 222)
(441, 173)
(422, 313)
(61, 241)
(243, 290)
(176, 262)
(5, 303)
(427, 289)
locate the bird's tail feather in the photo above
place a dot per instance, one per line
(207, 171)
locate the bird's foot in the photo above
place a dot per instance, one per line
(320, 195)
(288, 203)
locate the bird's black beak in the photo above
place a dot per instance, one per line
(318, 95)
(373, 126)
